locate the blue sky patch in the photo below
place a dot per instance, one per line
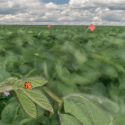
(57, 1)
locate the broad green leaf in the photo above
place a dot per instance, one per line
(51, 94)
(121, 81)
(66, 119)
(114, 92)
(9, 112)
(19, 119)
(3, 123)
(109, 71)
(39, 98)
(40, 111)
(32, 73)
(45, 120)
(46, 70)
(24, 121)
(62, 71)
(117, 41)
(57, 86)
(45, 33)
(27, 104)
(28, 53)
(119, 120)
(104, 103)
(86, 111)
(55, 119)
(3, 74)
(36, 82)
(80, 57)
(11, 57)
(119, 67)
(7, 84)
(22, 113)
(6, 88)
(78, 79)
(17, 75)
(8, 81)
(24, 68)
(12, 99)
(99, 89)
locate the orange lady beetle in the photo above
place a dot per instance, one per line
(27, 85)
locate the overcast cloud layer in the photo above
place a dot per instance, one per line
(75, 12)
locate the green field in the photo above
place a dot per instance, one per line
(85, 73)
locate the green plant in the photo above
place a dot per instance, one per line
(78, 108)
(86, 71)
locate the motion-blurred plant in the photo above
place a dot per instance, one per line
(85, 75)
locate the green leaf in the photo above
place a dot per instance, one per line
(55, 119)
(22, 113)
(80, 57)
(78, 79)
(119, 120)
(12, 99)
(6, 88)
(3, 123)
(45, 33)
(119, 67)
(45, 120)
(114, 92)
(3, 74)
(62, 71)
(27, 104)
(32, 73)
(9, 81)
(66, 119)
(19, 120)
(9, 112)
(99, 89)
(121, 79)
(40, 111)
(109, 71)
(24, 121)
(24, 68)
(28, 53)
(36, 82)
(39, 98)
(16, 75)
(46, 70)
(86, 111)
(7, 84)
(57, 86)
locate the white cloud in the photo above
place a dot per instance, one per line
(80, 12)
(97, 19)
(51, 6)
(97, 9)
(87, 4)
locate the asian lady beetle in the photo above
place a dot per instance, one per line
(27, 85)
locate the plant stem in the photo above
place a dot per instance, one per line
(52, 95)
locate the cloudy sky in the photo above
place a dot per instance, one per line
(62, 12)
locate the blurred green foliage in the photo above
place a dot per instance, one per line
(71, 60)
